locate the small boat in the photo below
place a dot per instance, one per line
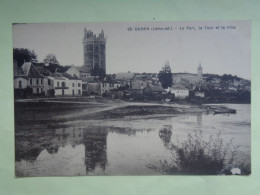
(225, 110)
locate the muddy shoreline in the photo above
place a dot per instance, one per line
(44, 112)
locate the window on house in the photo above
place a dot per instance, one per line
(37, 81)
(31, 81)
(58, 84)
(20, 84)
(63, 84)
(73, 84)
(79, 91)
(41, 81)
(49, 82)
(78, 84)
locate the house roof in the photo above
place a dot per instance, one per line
(56, 78)
(156, 88)
(31, 71)
(41, 68)
(56, 75)
(26, 67)
(179, 87)
(125, 76)
(88, 79)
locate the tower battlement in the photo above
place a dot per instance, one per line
(90, 36)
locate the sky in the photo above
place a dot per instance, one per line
(221, 47)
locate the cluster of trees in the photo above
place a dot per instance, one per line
(21, 55)
(165, 76)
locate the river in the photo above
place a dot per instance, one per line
(121, 146)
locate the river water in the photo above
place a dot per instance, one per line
(121, 146)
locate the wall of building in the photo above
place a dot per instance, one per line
(94, 87)
(180, 93)
(75, 87)
(37, 85)
(106, 87)
(20, 83)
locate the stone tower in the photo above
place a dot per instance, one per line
(94, 51)
(199, 74)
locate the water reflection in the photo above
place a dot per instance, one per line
(95, 149)
(199, 118)
(165, 134)
(94, 140)
(117, 147)
(35, 146)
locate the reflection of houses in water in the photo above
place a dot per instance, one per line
(122, 130)
(69, 135)
(94, 140)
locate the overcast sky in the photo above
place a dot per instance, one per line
(220, 51)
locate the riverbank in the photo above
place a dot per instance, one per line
(57, 110)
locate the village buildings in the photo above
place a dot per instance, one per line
(39, 79)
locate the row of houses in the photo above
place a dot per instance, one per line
(29, 80)
(37, 79)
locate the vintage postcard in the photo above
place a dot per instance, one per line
(144, 98)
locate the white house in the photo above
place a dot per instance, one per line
(64, 86)
(58, 84)
(199, 94)
(35, 80)
(107, 86)
(180, 92)
(20, 82)
(75, 86)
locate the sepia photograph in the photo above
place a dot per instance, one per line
(132, 98)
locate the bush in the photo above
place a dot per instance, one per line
(195, 156)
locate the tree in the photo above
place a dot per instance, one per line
(165, 76)
(21, 55)
(51, 59)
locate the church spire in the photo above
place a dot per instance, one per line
(101, 34)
